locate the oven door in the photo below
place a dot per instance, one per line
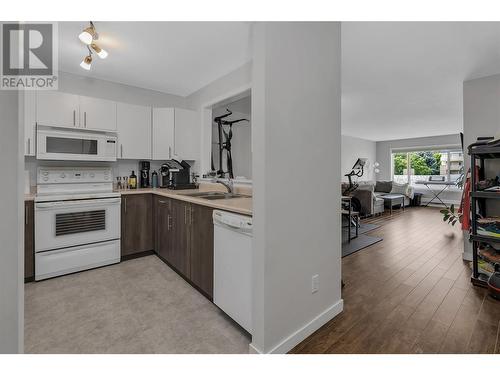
(63, 224)
(56, 144)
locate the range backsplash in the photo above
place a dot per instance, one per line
(120, 167)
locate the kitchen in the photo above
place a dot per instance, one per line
(109, 182)
(145, 305)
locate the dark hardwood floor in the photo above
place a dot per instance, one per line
(410, 293)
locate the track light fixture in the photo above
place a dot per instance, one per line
(87, 61)
(89, 36)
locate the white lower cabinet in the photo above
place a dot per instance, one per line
(134, 131)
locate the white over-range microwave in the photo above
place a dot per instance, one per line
(66, 144)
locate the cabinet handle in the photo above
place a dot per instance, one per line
(121, 150)
(85, 119)
(125, 199)
(185, 215)
(74, 117)
(191, 215)
(169, 152)
(162, 201)
(169, 222)
(29, 146)
(26, 215)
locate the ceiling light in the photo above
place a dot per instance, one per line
(88, 34)
(86, 63)
(100, 52)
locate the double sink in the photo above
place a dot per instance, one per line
(214, 195)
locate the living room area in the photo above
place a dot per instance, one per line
(388, 177)
(414, 97)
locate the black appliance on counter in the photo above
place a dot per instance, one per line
(176, 175)
(145, 167)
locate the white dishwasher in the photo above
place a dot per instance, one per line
(233, 266)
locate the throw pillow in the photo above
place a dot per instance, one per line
(399, 188)
(383, 186)
(365, 186)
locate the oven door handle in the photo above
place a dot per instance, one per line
(87, 202)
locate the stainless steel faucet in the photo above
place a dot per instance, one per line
(229, 184)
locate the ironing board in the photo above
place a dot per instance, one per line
(429, 184)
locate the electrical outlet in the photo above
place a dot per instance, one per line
(315, 284)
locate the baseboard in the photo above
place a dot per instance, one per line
(253, 350)
(467, 256)
(137, 255)
(301, 334)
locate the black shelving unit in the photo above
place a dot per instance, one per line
(479, 199)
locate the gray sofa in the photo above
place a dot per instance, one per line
(370, 193)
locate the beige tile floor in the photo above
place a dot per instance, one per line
(137, 306)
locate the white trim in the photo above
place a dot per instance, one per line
(301, 334)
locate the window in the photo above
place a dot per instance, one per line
(425, 165)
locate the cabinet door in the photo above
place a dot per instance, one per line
(97, 114)
(27, 119)
(134, 131)
(163, 235)
(202, 248)
(163, 133)
(178, 255)
(136, 224)
(29, 240)
(187, 134)
(56, 108)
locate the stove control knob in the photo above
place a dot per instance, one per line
(45, 173)
(63, 175)
(45, 178)
(91, 175)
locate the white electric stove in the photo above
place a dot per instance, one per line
(77, 220)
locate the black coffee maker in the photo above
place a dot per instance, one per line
(144, 181)
(175, 174)
(164, 176)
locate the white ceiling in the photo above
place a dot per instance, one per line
(404, 80)
(173, 57)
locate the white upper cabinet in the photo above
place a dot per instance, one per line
(163, 133)
(187, 134)
(97, 114)
(56, 108)
(134, 131)
(27, 119)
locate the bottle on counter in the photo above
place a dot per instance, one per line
(132, 181)
(125, 183)
(154, 179)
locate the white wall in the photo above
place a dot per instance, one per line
(215, 91)
(11, 227)
(481, 119)
(354, 148)
(86, 86)
(296, 222)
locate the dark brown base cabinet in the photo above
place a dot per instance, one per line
(184, 239)
(29, 241)
(136, 224)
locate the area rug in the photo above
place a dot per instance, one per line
(361, 242)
